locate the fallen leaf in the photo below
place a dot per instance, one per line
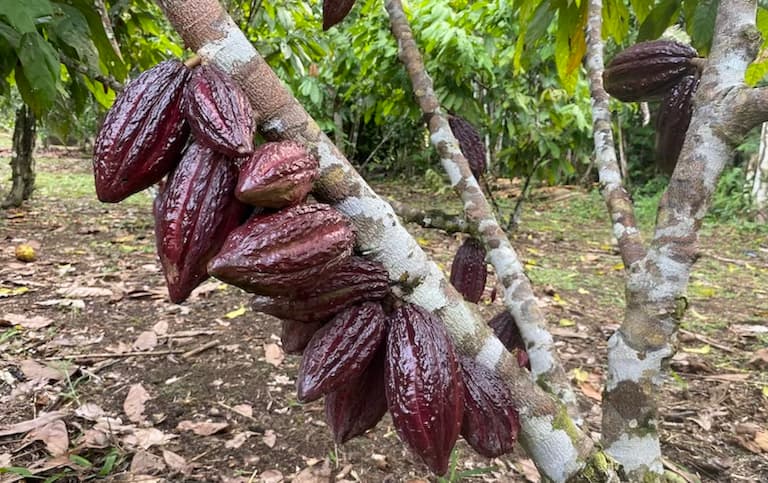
(35, 371)
(269, 438)
(759, 359)
(749, 330)
(703, 350)
(96, 438)
(761, 438)
(175, 462)
(133, 406)
(29, 323)
(145, 462)
(31, 424)
(145, 438)
(5, 460)
(271, 476)
(235, 313)
(72, 303)
(89, 411)
(244, 410)
(160, 328)
(313, 474)
(526, 468)
(54, 435)
(201, 428)
(76, 292)
(147, 340)
(273, 354)
(10, 292)
(238, 440)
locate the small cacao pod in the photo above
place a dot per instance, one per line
(359, 404)
(672, 122)
(277, 174)
(280, 253)
(470, 143)
(423, 385)
(334, 11)
(505, 329)
(143, 134)
(356, 280)
(469, 271)
(296, 335)
(194, 213)
(648, 70)
(218, 112)
(491, 422)
(341, 350)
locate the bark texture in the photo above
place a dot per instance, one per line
(558, 447)
(759, 188)
(22, 162)
(437, 219)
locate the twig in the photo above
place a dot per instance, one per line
(189, 333)
(709, 341)
(230, 408)
(202, 348)
(734, 261)
(108, 355)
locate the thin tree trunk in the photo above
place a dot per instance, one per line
(22, 161)
(760, 178)
(436, 219)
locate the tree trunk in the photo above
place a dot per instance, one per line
(22, 161)
(760, 178)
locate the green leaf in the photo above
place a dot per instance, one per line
(570, 44)
(11, 36)
(112, 64)
(104, 96)
(662, 16)
(22, 14)
(615, 20)
(702, 25)
(641, 8)
(70, 33)
(38, 73)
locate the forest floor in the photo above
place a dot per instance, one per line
(100, 369)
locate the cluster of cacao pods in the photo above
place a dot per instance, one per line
(240, 213)
(658, 70)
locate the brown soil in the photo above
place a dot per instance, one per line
(713, 406)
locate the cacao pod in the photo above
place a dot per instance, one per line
(491, 422)
(672, 122)
(334, 11)
(296, 335)
(341, 350)
(648, 70)
(359, 404)
(219, 112)
(280, 253)
(470, 143)
(423, 385)
(194, 213)
(505, 329)
(469, 270)
(356, 280)
(143, 134)
(278, 174)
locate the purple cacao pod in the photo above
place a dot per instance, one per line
(334, 11)
(296, 335)
(469, 271)
(505, 328)
(672, 122)
(470, 143)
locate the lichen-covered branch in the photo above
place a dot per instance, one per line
(616, 196)
(431, 218)
(558, 447)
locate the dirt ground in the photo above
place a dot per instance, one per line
(137, 388)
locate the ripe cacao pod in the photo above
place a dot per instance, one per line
(143, 134)
(277, 174)
(648, 70)
(469, 270)
(359, 404)
(334, 11)
(194, 213)
(470, 142)
(280, 253)
(356, 280)
(341, 350)
(491, 422)
(423, 385)
(505, 328)
(672, 122)
(218, 112)
(296, 335)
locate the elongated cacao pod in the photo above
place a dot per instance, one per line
(143, 134)
(341, 350)
(296, 335)
(424, 388)
(672, 122)
(505, 328)
(219, 112)
(278, 174)
(469, 271)
(647, 71)
(470, 142)
(193, 216)
(491, 422)
(356, 280)
(281, 253)
(359, 404)
(334, 11)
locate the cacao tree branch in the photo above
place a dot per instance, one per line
(440, 220)
(656, 283)
(559, 448)
(750, 108)
(89, 73)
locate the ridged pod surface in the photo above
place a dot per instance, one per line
(296, 335)
(469, 271)
(334, 11)
(647, 71)
(505, 329)
(356, 280)
(490, 423)
(470, 142)
(341, 350)
(672, 122)
(359, 404)
(143, 133)
(219, 112)
(281, 253)
(194, 213)
(277, 174)
(423, 385)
